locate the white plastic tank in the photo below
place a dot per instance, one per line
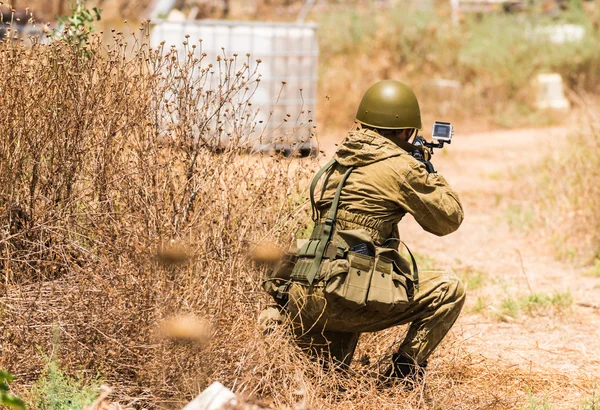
(288, 53)
(550, 92)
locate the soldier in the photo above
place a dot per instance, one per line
(384, 182)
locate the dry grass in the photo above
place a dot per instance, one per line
(117, 213)
(108, 169)
(567, 186)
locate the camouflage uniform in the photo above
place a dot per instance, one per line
(386, 184)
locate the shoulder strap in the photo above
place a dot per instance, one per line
(327, 229)
(336, 198)
(313, 185)
(414, 266)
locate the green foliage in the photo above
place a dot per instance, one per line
(534, 404)
(346, 31)
(591, 403)
(519, 216)
(510, 307)
(6, 398)
(510, 49)
(535, 303)
(479, 305)
(495, 46)
(595, 270)
(55, 390)
(424, 262)
(79, 25)
(564, 299)
(472, 278)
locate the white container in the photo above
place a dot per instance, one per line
(550, 92)
(288, 53)
(561, 33)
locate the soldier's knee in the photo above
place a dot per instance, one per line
(455, 290)
(459, 289)
(460, 292)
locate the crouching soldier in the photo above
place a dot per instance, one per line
(350, 277)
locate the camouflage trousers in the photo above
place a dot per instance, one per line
(331, 332)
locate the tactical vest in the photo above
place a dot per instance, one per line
(352, 271)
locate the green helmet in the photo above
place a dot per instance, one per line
(389, 105)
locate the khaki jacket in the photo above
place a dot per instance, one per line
(387, 183)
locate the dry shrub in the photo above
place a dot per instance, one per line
(127, 197)
(567, 183)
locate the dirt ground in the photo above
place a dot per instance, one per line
(504, 257)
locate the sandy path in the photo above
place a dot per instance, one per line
(509, 260)
(514, 261)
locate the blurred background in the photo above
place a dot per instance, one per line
(474, 62)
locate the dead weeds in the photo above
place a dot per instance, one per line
(112, 167)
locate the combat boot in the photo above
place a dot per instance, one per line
(403, 370)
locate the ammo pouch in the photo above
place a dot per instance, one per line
(299, 265)
(382, 283)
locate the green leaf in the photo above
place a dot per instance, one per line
(98, 12)
(6, 376)
(11, 400)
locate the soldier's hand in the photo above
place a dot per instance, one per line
(422, 153)
(426, 153)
